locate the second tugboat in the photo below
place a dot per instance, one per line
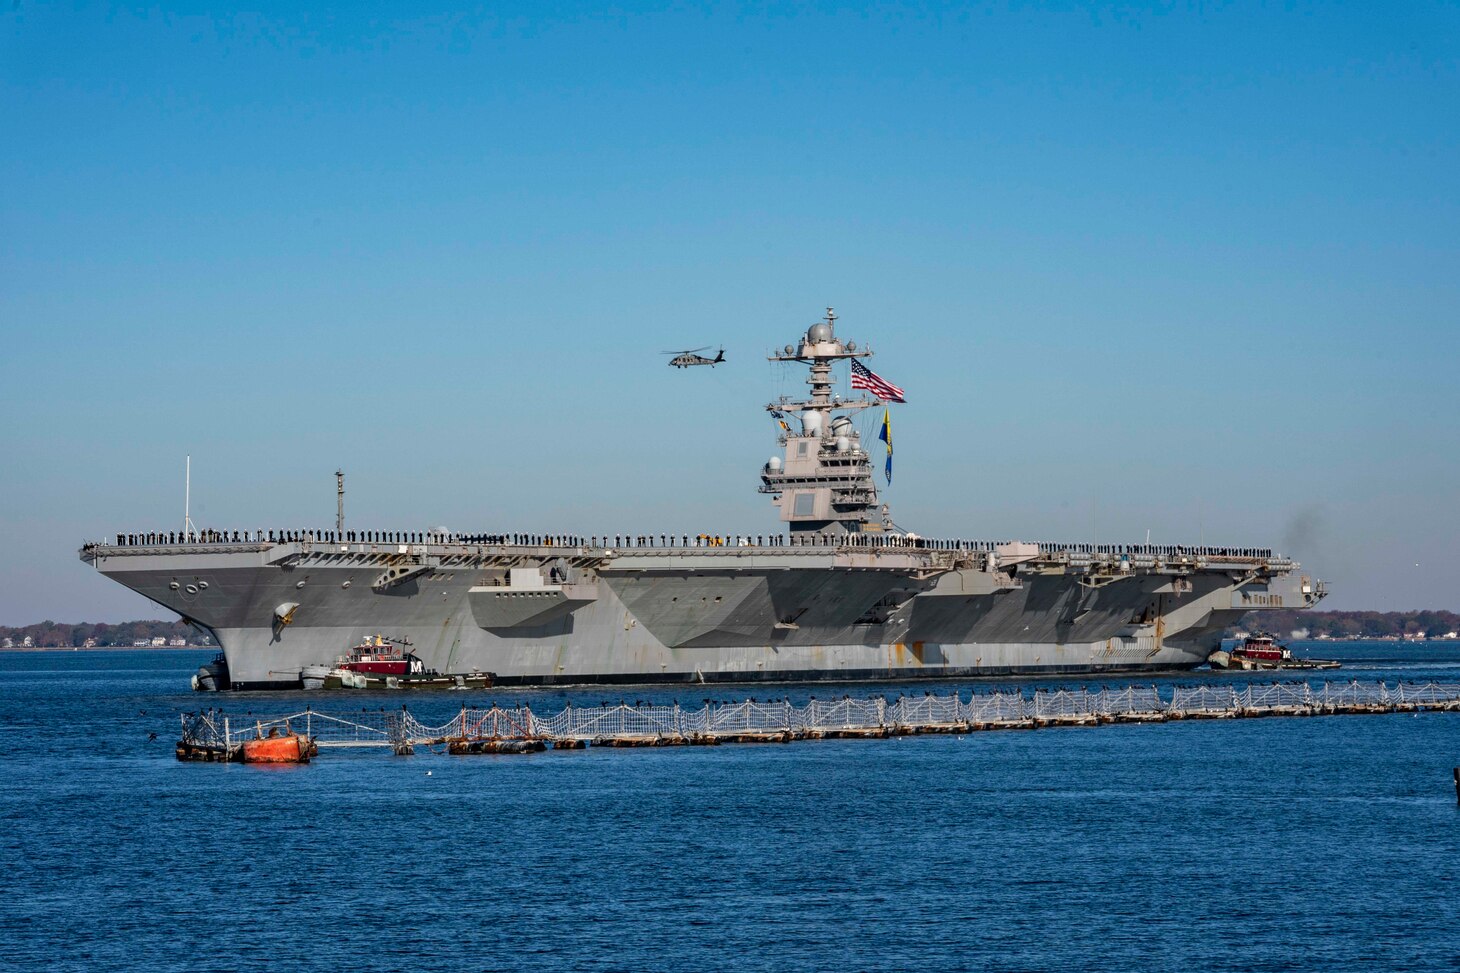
(1262, 651)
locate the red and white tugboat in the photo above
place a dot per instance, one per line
(380, 656)
(1262, 651)
(379, 662)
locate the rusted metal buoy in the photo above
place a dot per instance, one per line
(288, 748)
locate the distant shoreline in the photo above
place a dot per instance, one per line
(105, 648)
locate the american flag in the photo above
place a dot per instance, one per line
(864, 378)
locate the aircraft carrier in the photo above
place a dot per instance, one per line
(841, 593)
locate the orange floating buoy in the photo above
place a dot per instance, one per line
(290, 748)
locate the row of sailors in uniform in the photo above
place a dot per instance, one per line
(689, 541)
(155, 538)
(151, 538)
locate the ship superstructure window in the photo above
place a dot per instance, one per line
(805, 504)
(801, 449)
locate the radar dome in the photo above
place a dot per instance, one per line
(819, 333)
(774, 465)
(851, 346)
(843, 445)
(811, 423)
(790, 350)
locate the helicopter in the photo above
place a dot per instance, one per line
(684, 359)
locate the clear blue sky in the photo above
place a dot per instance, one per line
(1192, 270)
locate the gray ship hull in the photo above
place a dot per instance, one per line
(545, 613)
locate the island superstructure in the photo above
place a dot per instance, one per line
(841, 593)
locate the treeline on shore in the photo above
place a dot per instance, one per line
(60, 635)
(1353, 625)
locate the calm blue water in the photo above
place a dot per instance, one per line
(1255, 845)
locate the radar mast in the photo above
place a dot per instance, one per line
(823, 483)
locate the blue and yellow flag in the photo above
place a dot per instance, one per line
(886, 436)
